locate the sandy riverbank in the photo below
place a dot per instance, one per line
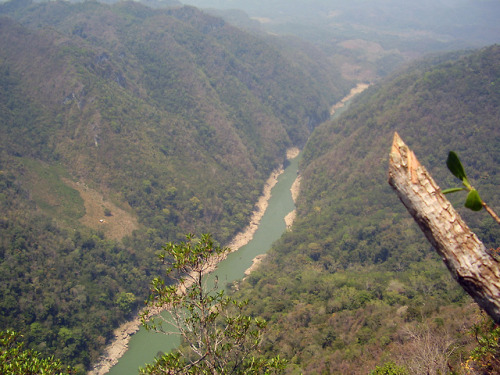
(245, 236)
(289, 219)
(295, 189)
(354, 91)
(122, 334)
(292, 153)
(255, 264)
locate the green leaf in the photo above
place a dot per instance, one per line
(455, 166)
(452, 190)
(473, 201)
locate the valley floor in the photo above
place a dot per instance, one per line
(119, 345)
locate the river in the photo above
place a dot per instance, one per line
(340, 107)
(144, 346)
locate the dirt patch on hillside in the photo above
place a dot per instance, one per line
(117, 225)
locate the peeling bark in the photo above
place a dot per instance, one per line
(464, 254)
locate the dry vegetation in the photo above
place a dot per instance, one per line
(117, 224)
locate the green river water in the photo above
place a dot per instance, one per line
(144, 346)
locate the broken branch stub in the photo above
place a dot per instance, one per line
(464, 254)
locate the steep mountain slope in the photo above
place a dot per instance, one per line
(122, 118)
(204, 93)
(355, 283)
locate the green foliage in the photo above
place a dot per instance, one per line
(16, 360)
(485, 357)
(473, 201)
(182, 117)
(389, 368)
(455, 166)
(126, 302)
(218, 337)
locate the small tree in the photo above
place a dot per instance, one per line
(389, 368)
(217, 337)
(126, 302)
(485, 357)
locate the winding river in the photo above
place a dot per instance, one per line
(144, 346)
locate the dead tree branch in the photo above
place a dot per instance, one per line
(464, 254)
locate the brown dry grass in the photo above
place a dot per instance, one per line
(120, 224)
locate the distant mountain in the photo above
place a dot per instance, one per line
(370, 38)
(355, 283)
(467, 20)
(123, 127)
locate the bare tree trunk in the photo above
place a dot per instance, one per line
(464, 254)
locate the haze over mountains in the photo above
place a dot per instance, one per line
(369, 38)
(448, 19)
(124, 126)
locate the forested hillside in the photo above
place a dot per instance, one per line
(355, 283)
(123, 127)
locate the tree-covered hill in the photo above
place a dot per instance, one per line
(137, 93)
(355, 283)
(120, 116)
